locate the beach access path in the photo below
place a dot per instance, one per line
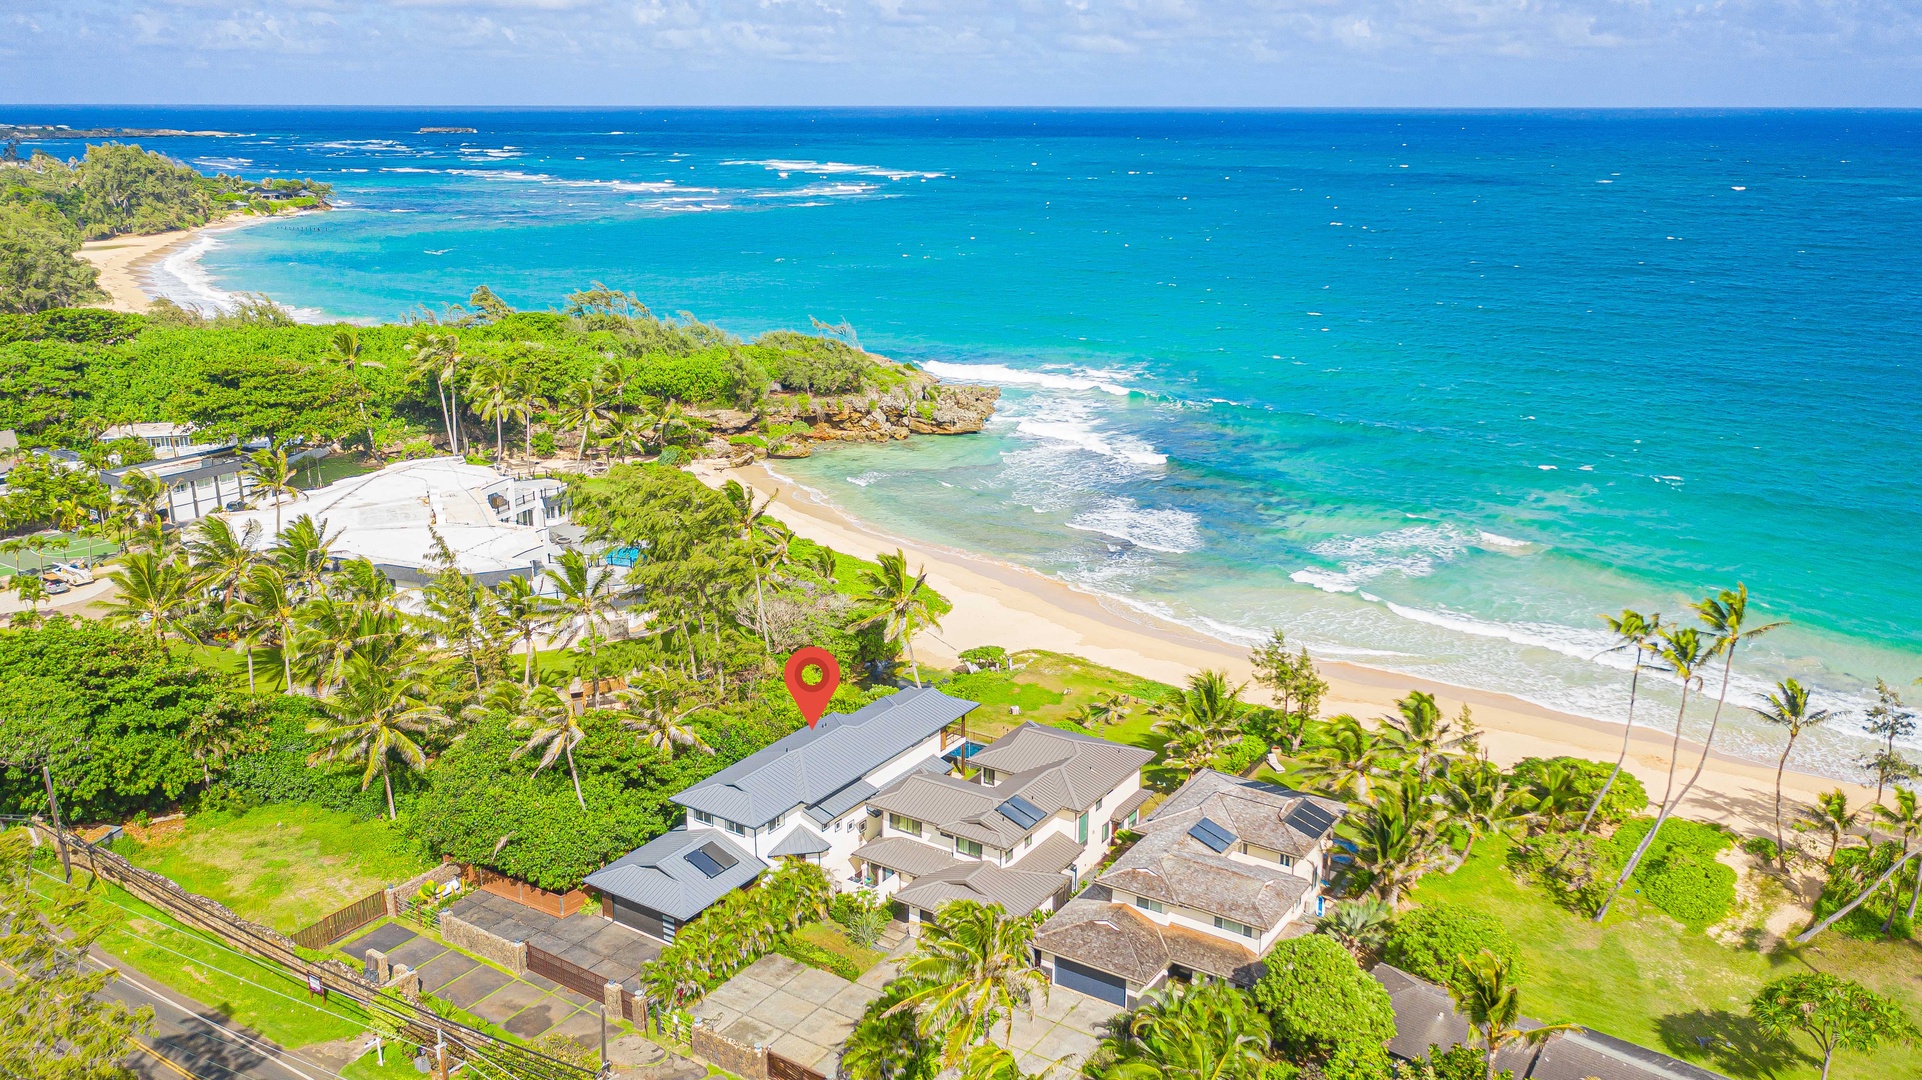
(996, 603)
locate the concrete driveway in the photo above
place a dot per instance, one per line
(803, 1014)
(1065, 1028)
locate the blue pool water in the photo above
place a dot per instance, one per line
(1429, 390)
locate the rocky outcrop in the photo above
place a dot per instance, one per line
(908, 403)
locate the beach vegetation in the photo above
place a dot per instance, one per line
(1318, 999)
(1832, 1012)
(1430, 939)
(38, 267)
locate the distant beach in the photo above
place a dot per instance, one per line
(137, 270)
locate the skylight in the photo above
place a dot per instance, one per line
(1212, 835)
(711, 859)
(1021, 812)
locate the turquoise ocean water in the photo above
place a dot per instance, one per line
(1430, 391)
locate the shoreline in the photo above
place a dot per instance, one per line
(997, 603)
(125, 262)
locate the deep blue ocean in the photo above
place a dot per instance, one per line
(1431, 391)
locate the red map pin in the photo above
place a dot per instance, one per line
(813, 699)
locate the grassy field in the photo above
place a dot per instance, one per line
(830, 936)
(1646, 978)
(282, 866)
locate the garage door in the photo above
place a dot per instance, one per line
(646, 920)
(1096, 984)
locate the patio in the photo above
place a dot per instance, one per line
(529, 1007)
(1065, 1028)
(803, 1014)
(608, 949)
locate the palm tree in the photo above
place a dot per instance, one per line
(303, 551)
(380, 706)
(492, 389)
(1361, 925)
(1397, 837)
(974, 966)
(1633, 630)
(246, 626)
(270, 598)
(1788, 708)
(650, 707)
(626, 436)
(548, 717)
(211, 737)
(153, 589)
(1480, 803)
(1421, 732)
(1350, 757)
(584, 605)
(1204, 1031)
(1201, 720)
(1487, 995)
(525, 401)
(749, 519)
(270, 473)
(222, 556)
(586, 409)
(1725, 615)
(141, 497)
(1906, 821)
(344, 349)
(32, 590)
(898, 603)
(1831, 815)
(437, 353)
(520, 609)
(1684, 651)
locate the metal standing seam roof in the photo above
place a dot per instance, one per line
(801, 841)
(910, 857)
(1017, 891)
(1051, 856)
(840, 802)
(659, 875)
(1130, 804)
(814, 763)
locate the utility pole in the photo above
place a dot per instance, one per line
(604, 1067)
(59, 841)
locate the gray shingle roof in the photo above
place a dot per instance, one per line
(910, 857)
(1117, 939)
(1017, 891)
(1170, 865)
(1254, 811)
(658, 875)
(814, 763)
(800, 841)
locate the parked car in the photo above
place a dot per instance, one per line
(55, 586)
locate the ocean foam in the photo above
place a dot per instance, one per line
(866, 478)
(1166, 530)
(829, 168)
(1001, 374)
(181, 278)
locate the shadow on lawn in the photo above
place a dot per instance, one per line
(1735, 1044)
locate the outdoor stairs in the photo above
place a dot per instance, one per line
(893, 936)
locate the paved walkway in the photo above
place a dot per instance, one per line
(529, 1007)
(1065, 1028)
(802, 1013)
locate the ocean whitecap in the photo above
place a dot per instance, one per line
(1170, 531)
(1003, 375)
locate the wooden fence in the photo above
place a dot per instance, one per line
(559, 905)
(332, 928)
(585, 981)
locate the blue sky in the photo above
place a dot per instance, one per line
(956, 52)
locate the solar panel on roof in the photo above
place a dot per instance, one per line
(1212, 835)
(1309, 819)
(711, 859)
(1021, 812)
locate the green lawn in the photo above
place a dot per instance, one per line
(1646, 978)
(830, 936)
(282, 866)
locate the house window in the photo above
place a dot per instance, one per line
(703, 817)
(963, 846)
(1234, 927)
(776, 823)
(1097, 802)
(734, 827)
(902, 824)
(1146, 904)
(1286, 860)
(1083, 830)
(886, 873)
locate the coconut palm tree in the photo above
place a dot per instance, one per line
(303, 550)
(437, 353)
(1726, 616)
(1832, 817)
(975, 967)
(271, 475)
(1897, 860)
(521, 610)
(548, 718)
(1398, 836)
(1481, 803)
(1489, 998)
(585, 407)
(211, 738)
(247, 628)
(222, 556)
(1788, 708)
(650, 704)
(1905, 821)
(491, 388)
(376, 713)
(524, 403)
(344, 349)
(1203, 1031)
(32, 590)
(585, 605)
(270, 599)
(1633, 631)
(141, 497)
(899, 603)
(1350, 757)
(750, 520)
(1202, 719)
(1420, 731)
(1361, 925)
(152, 589)
(1684, 651)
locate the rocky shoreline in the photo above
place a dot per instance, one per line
(787, 425)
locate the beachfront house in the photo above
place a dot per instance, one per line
(804, 796)
(1023, 831)
(1221, 871)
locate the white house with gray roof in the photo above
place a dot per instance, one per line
(1023, 832)
(1222, 870)
(804, 796)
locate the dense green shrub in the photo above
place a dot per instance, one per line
(1319, 999)
(813, 955)
(987, 656)
(1428, 941)
(737, 931)
(1626, 797)
(1242, 753)
(1679, 874)
(277, 772)
(1855, 868)
(809, 363)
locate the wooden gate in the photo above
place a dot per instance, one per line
(567, 973)
(559, 905)
(780, 1068)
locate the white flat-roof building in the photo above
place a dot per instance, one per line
(495, 525)
(166, 439)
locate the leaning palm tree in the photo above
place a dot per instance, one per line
(437, 354)
(548, 718)
(221, 555)
(1204, 1031)
(1633, 631)
(1906, 821)
(1489, 998)
(270, 473)
(1788, 708)
(1832, 817)
(975, 967)
(520, 610)
(658, 714)
(1684, 651)
(375, 715)
(900, 603)
(151, 589)
(1726, 616)
(584, 605)
(344, 349)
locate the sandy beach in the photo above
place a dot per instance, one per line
(124, 261)
(999, 604)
